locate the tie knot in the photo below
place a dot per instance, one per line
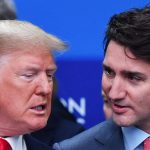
(146, 145)
(4, 145)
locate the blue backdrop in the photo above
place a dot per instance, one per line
(81, 23)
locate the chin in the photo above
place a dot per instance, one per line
(38, 125)
(122, 121)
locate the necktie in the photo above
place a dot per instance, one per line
(4, 145)
(146, 145)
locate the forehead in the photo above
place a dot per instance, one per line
(34, 59)
(120, 58)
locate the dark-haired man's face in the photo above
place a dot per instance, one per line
(126, 82)
(25, 91)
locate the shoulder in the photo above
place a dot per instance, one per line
(34, 144)
(68, 128)
(90, 138)
(100, 129)
(58, 131)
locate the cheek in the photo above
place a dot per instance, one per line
(139, 99)
(107, 111)
(11, 109)
(145, 94)
(49, 99)
(20, 94)
(16, 95)
(105, 83)
(139, 94)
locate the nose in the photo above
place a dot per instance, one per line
(45, 86)
(117, 89)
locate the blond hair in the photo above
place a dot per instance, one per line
(15, 33)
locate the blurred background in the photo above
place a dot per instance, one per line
(80, 23)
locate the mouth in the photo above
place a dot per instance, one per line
(39, 109)
(119, 109)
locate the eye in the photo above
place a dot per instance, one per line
(50, 76)
(134, 77)
(27, 76)
(108, 72)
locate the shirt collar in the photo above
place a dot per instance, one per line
(17, 142)
(133, 136)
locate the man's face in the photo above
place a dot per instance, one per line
(25, 91)
(126, 82)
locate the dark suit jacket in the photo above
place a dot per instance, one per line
(57, 131)
(105, 136)
(33, 144)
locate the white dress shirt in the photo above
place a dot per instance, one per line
(16, 142)
(133, 138)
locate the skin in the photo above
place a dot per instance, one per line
(26, 82)
(106, 106)
(126, 82)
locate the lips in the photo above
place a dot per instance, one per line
(119, 109)
(39, 108)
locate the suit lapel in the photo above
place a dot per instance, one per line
(33, 144)
(110, 137)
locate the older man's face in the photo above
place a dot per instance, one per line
(126, 82)
(25, 92)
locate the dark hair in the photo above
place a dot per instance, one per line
(131, 29)
(7, 10)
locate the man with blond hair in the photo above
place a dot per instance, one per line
(27, 68)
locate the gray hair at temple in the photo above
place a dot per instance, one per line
(17, 34)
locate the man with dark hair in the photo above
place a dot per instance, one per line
(126, 83)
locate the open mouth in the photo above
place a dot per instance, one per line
(39, 107)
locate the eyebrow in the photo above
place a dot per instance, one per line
(129, 73)
(107, 67)
(51, 70)
(126, 72)
(36, 68)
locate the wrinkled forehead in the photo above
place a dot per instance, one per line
(9, 47)
(34, 58)
(26, 53)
